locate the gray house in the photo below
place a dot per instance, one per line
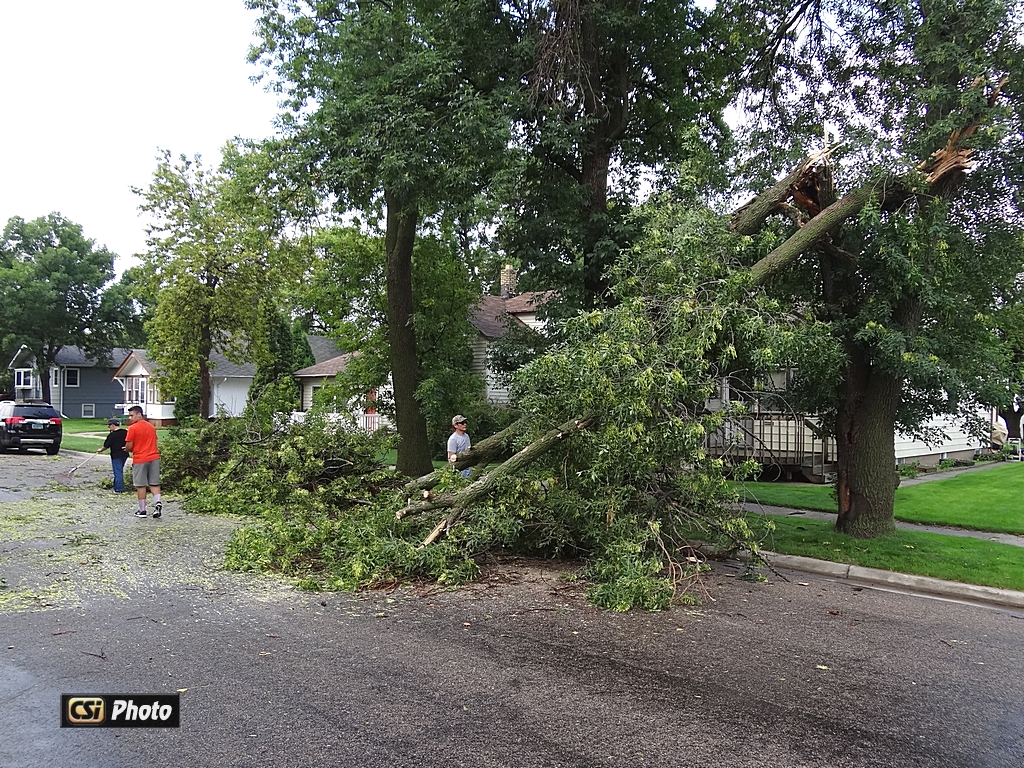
(80, 387)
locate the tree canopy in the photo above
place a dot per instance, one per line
(53, 280)
(901, 239)
(611, 92)
(393, 108)
(213, 253)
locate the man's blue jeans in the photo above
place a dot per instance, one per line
(118, 466)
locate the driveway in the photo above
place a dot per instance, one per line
(516, 670)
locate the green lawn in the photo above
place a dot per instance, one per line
(792, 495)
(991, 500)
(77, 443)
(75, 438)
(955, 558)
(78, 426)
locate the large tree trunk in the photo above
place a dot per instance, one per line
(43, 363)
(866, 454)
(1011, 415)
(606, 89)
(413, 446)
(596, 165)
(205, 350)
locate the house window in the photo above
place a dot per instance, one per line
(71, 377)
(54, 378)
(88, 410)
(23, 378)
(135, 389)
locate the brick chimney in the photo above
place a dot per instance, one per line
(509, 281)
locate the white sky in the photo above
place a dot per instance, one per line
(91, 89)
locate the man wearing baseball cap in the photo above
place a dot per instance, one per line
(459, 441)
(118, 455)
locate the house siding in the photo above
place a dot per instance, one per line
(228, 395)
(493, 391)
(307, 392)
(957, 445)
(95, 387)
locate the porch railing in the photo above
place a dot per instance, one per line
(785, 440)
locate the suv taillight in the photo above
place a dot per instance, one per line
(55, 420)
(14, 419)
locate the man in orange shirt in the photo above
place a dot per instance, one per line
(141, 443)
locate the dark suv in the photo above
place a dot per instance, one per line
(30, 424)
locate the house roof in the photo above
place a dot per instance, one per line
(529, 302)
(492, 314)
(73, 357)
(488, 317)
(323, 349)
(134, 354)
(221, 367)
(331, 367)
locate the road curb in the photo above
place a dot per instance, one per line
(1006, 598)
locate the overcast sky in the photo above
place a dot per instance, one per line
(91, 89)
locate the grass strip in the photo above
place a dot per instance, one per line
(990, 500)
(77, 426)
(790, 495)
(76, 443)
(954, 558)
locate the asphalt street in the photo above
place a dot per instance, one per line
(516, 670)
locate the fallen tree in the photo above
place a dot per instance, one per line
(877, 296)
(807, 197)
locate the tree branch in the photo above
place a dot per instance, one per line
(809, 234)
(481, 453)
(463, 498)
(749, 218)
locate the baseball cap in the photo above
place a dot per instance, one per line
(460, 419)
(114, 421)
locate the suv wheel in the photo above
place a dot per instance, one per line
(52, 450)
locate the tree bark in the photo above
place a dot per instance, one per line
(205, 349)
(400, 236)
(866, 455)
(751, 216)
(44, 360)
(605, 80)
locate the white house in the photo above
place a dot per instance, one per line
(229, 383)
(491, 318)
(772, 435)
(315, 377)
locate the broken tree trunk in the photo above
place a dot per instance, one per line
(748, 219)
(457, 502)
